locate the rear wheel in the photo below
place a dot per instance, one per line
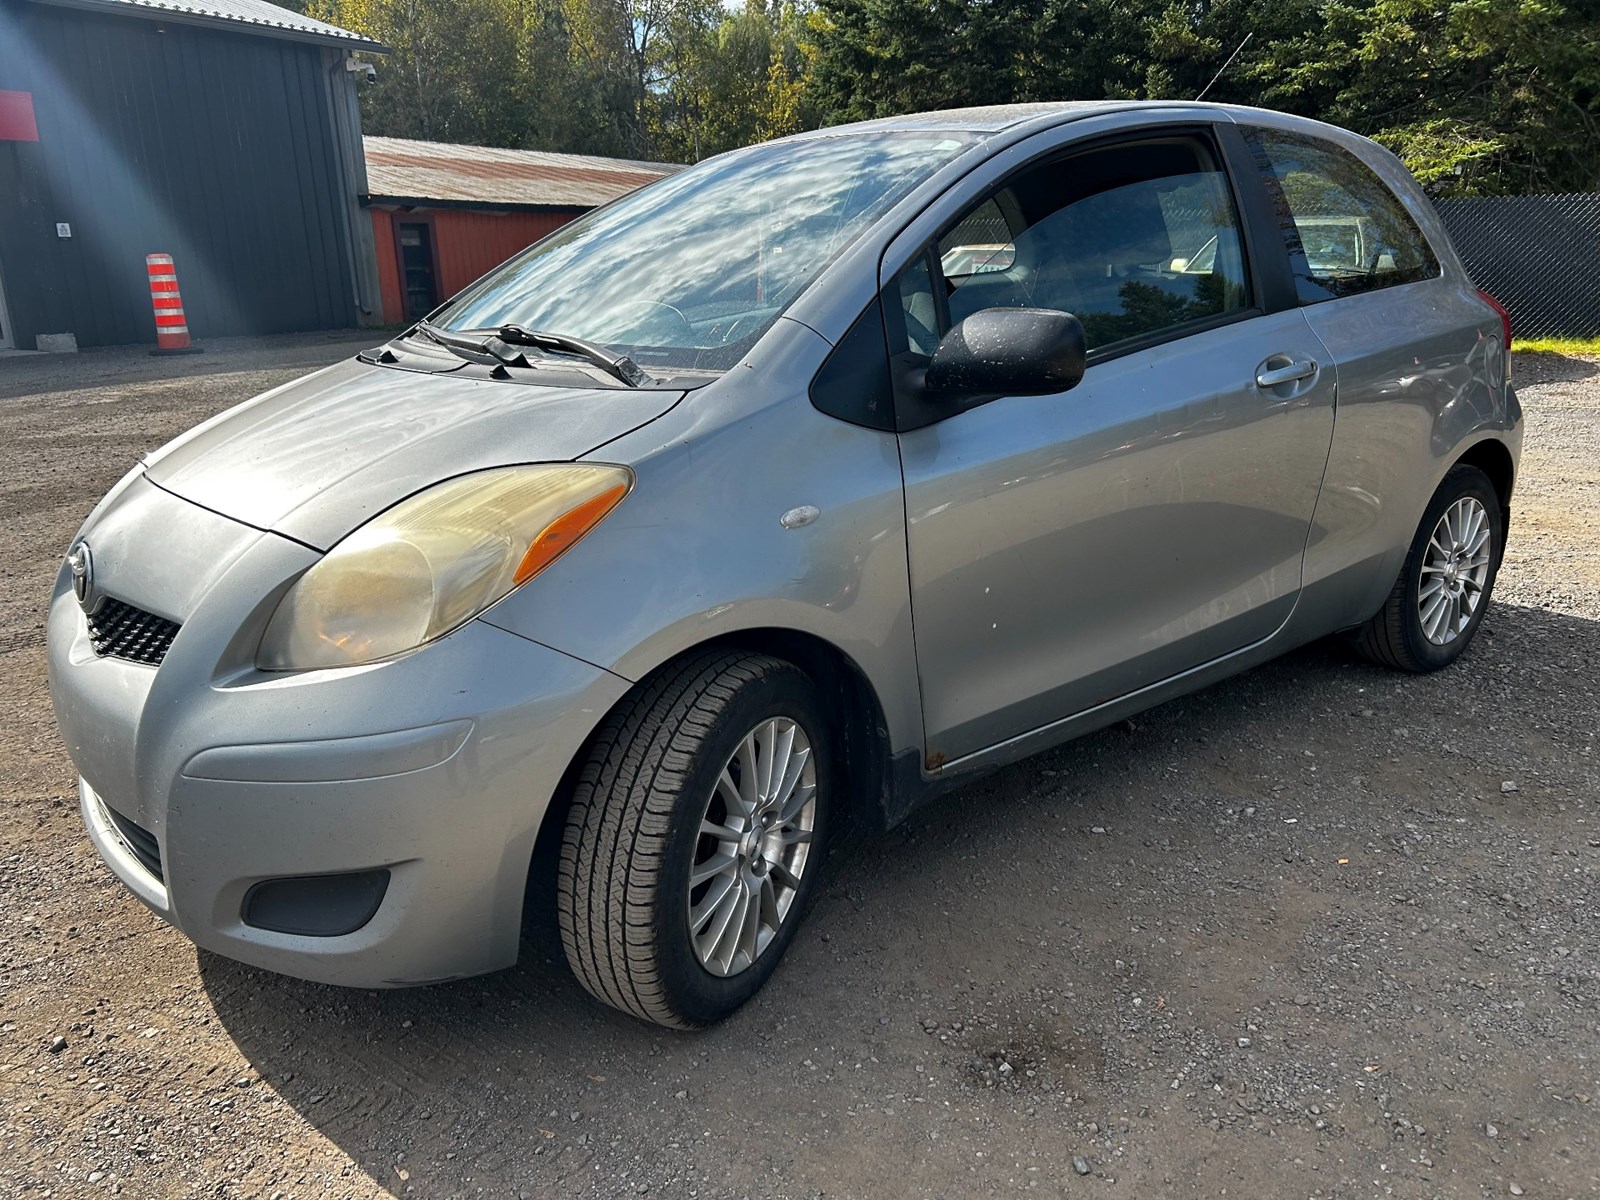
(695, 838)
(1443, 590)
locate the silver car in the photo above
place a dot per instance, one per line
(735, 506)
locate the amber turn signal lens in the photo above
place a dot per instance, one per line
(556, 538)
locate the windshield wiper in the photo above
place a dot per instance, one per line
(618, 366)
(454, 341)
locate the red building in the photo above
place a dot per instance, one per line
(442, 215)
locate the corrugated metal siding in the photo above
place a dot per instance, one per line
(214, 147)
(394, 307)
(470, 244)
(466, 246)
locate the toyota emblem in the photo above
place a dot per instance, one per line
(82, 567)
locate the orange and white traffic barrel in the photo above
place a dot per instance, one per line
(172, 327)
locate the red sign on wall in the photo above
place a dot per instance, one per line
(16, 117)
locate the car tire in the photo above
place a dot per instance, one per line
(1453, 560)
(672, 788)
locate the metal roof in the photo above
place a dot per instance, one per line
(403, 171)
(242, 16)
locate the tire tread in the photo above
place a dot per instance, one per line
(1383, 639)
(612, 851)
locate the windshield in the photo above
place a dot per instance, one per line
(688, 272)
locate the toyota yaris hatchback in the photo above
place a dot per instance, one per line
(819, 477)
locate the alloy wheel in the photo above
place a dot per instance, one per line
(1455, 571)
(753, 847)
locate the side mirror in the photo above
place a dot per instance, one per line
(1009, 352)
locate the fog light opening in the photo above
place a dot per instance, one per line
(315, 905)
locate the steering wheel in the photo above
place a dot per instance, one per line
(685, 328)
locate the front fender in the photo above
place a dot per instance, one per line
(697, 551)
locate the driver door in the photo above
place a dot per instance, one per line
(1066, 550)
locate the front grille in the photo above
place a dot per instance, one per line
(138, 839)
(118, 630)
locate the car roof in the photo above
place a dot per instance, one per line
(992, 118)
(1010, 118)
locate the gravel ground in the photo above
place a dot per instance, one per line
(1320, 931)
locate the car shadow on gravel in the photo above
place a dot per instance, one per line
(506, 1082)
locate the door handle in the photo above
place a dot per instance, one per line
(1271, 377)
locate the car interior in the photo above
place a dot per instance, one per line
(1114, 236)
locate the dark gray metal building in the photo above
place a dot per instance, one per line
(225, 134)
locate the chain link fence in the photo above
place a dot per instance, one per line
(1537, 255)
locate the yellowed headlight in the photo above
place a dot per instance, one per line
(435, 561)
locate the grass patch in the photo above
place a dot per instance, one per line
(1580, 347)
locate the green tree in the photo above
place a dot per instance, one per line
(730, 79)
(452, 66)
(665, 79)
(1479, 95)
(1475, 95)
(1484, 95)
(879, 57)
(563, 98)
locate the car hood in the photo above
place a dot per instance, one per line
(314, 459)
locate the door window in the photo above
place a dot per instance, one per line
(980, 244)
(919, 308)
(1135, 240)
(1345, 231)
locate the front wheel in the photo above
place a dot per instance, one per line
(695, 838)
(1443, 591)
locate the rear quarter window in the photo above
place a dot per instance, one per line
(1345, 232)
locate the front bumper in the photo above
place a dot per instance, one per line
(436, 767)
